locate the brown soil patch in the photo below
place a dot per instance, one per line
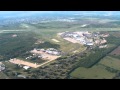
(21, 62)
(116, 51)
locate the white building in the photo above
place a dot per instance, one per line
(26, 67)
(75, 35)
(55, 53)
(89, 43)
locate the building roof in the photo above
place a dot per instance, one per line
(89, 43)
(26, 67)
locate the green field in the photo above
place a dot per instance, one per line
(105, 69)
(67, 46)
(96, 72)
(111, 62)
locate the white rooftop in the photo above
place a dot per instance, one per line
(26, 67)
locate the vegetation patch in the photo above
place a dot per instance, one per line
(111, 62)
(95, 72)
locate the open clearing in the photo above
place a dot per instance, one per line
(116, 51)
(55, 40)
(71, 40)
(33, 65)
(68, 46)
(111, 62)
(19, 62)
(96, 72)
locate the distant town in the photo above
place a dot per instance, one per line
(86, 38)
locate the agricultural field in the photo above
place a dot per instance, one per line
(111, 62)
(96, 72)
(116, 52)
(105, 69)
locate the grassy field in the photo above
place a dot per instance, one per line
(105, 69)
(96, 72)
(69, 47)
(3, 76)
(111, 62)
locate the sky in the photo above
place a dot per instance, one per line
(22, 13)
(12, 12)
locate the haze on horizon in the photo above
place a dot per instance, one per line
(58, 12)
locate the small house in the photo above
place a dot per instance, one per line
(26, 67)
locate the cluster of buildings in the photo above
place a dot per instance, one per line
(29, 57)
(51, 51)
(34, 56)
(86, 38)
(24, 67)
(43, 53)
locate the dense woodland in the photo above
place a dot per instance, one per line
(11, 47)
